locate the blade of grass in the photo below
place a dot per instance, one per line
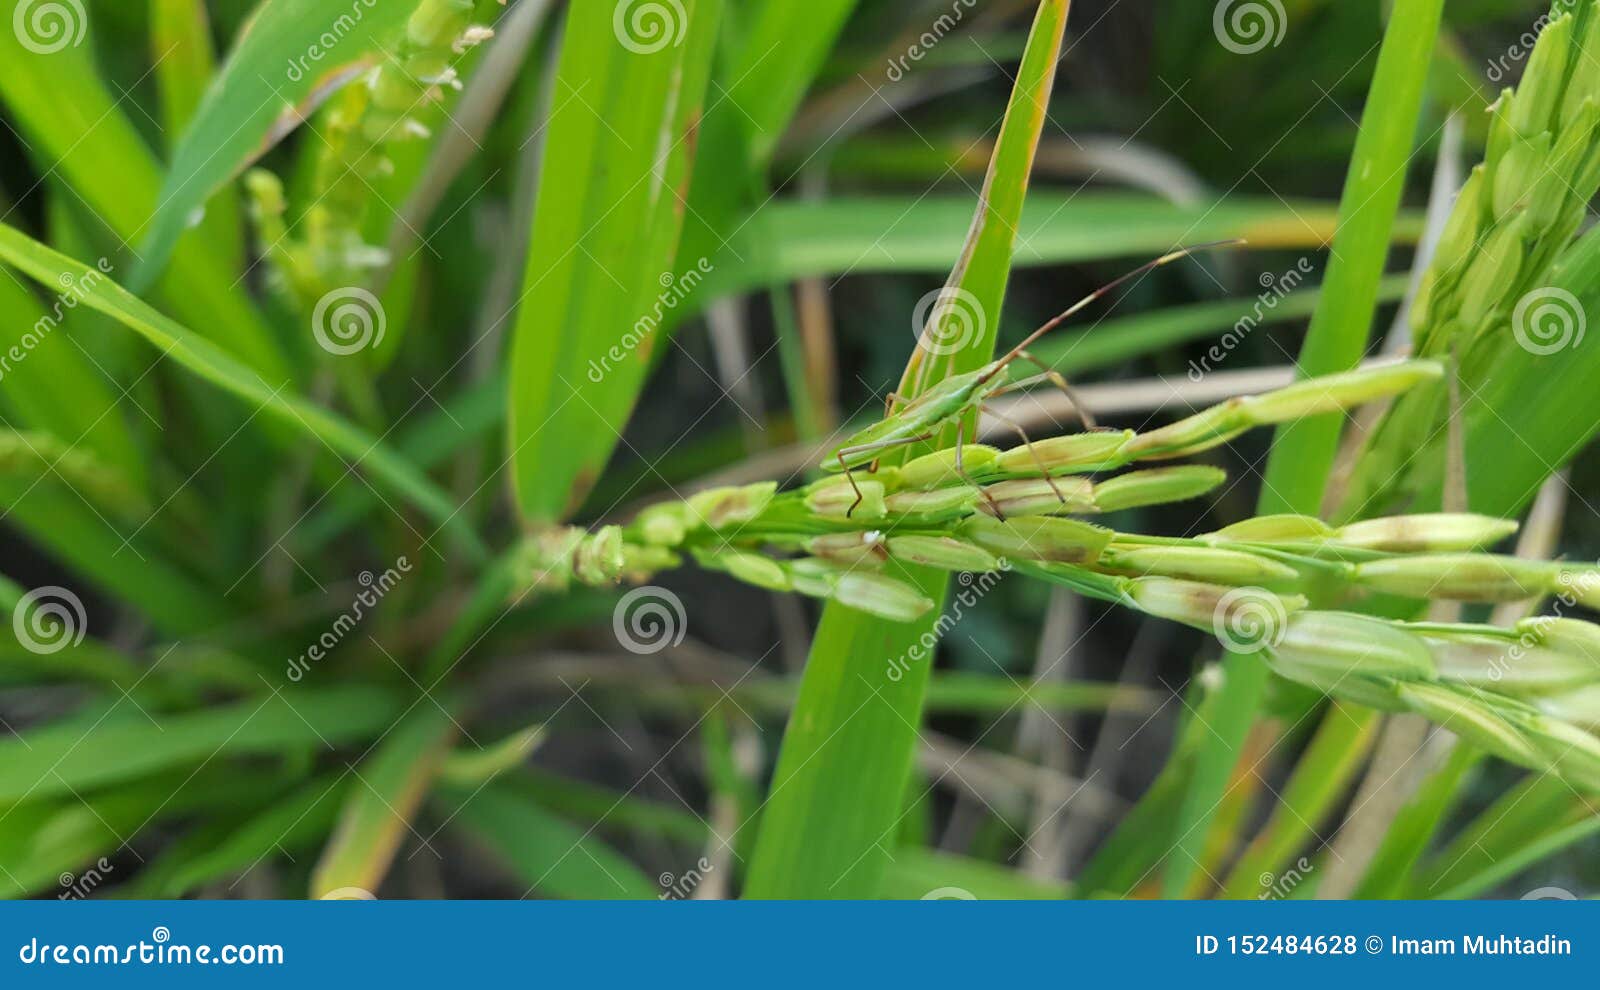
(922, 874)
(184, 61)
(609, 215)
(1415, 826)
(63, 758)
(1303, 452)
(546, 853)
(75, 128)
(281, 64)
(390, 785)
(1321, 777)
(839, 788)
(786, 240)
(212, 364)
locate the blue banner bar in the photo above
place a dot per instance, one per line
(710, 944)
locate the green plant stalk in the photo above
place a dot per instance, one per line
(1303, 453)
(846, 758)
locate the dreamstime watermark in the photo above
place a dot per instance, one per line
(45, 27)
(1548, 320)
(949, 894)
(645, 27)
(973, 588)
(678, 888)
(1275, 288)
(948, 320)
(160, 951)
(1249, 620)
(1550, 894)
(328, 40)
(48, 620)
(929, 39)
(1500, 66)
(1575, 588)
(649, 619)
(1245, 27)
(348, 894)
(77, 887)
(674, 290)
(1280, 885)
(73, 291)
(374, 587)
(348, 320)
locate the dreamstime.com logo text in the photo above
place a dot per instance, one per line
(941, 26)
(678, 888)
(374, 588)
(328, 40)
(1500, 67)
(159, 951)
(674, 290)
(1275, 886)
(1274, 288)
(973, 588)
(74, 289)
(75, 887)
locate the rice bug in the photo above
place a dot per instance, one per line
(922, 418)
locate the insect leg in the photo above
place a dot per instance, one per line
(1078, 408)
(1029, 444)
(865, 448)
(961, 472)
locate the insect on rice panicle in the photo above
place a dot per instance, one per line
(914, 420)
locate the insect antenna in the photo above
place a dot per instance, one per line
(1101, 293)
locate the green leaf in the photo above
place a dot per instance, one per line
(280, 65)
(1395, 861)
(620, 142)
(390, 785)
(838, 791)
(62, 758)
(1302, 452)
(181, 51)
(922, 874)
(544, 852)
(786, 240)
(75, 129)
(209, 362)
(1321, 777)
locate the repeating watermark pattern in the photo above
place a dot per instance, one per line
(973, 588)
(1548, 320)
(349, 894)
(948, 320)
(1249, 620)
(949, 894)
(1550, 894)
(348, 320)
(1575, 588)
(328, 40)
(45, 27)
(1500, 67)
(645, 27)
(49, 619)
(1275, 288)
(649, 619)
(678, 888)
(1277, 886)
(373, 590)
(927, 40)
(74, 289)
(1245, 27)
(76, 888)
(674, 290)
